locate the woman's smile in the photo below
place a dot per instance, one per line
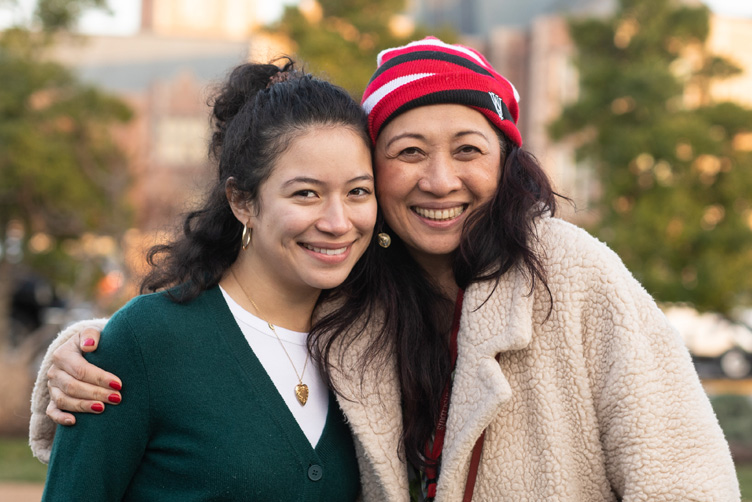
(435, 165)
(440, 214)
(328, 253)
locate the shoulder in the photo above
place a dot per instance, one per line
(560, 238)
(578, 265)
(156, 315)
(570, 250)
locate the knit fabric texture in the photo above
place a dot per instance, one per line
(200, 419)
(431, 72)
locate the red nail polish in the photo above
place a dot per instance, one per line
(113, 398)
(115, 385)
(98, 407)
(88, 342)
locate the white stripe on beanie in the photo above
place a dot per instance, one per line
(433, 42)
(391, 86)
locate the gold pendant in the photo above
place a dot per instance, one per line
(301, 392)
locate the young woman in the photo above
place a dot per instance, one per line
(229, 405)
(497, 351)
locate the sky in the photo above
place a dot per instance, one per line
(126, 13)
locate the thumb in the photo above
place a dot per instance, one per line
(89, 340)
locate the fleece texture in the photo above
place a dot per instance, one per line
(594, 397)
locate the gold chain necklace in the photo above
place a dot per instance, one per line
(301, 390)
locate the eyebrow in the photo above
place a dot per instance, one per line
(471, 132)
(419, 136)
(404, 135)
(314, 181)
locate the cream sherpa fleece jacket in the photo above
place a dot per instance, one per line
(596, 400)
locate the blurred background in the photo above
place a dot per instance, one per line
(640, 110)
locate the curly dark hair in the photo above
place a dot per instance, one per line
(256, 114)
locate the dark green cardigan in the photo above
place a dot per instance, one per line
(200, 419)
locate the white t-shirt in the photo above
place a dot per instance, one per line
(312, 416)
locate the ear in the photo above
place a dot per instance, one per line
(241, 208)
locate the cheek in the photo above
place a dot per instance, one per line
(392, 187)
(365, 217)
(286, 222)
(486, 181)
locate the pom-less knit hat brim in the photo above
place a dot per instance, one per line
(429, 72)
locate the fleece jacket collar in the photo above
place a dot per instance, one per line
(495, 319)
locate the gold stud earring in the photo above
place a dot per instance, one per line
(245, 240)
(384, 240)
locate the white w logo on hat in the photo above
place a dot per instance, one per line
(498, 104)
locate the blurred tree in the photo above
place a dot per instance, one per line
(61, 173)
(341, 38)
(673, 165)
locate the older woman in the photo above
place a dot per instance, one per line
(499, 351)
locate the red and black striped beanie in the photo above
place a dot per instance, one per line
(431, 72)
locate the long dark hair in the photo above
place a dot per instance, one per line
(413, 315)
(256, 113)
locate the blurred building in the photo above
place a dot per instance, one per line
(165, 80)
(481, 17)
(167, 72)
(529, 43)
(218, 19)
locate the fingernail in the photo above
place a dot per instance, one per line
(68, 421)
(88, 342)
(115, 385)
(113, 398)
(98, 407)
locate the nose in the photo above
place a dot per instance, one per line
(335, 218)
(440, 177)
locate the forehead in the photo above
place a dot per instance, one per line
(308, 136)
(325, 148)
(444, 120)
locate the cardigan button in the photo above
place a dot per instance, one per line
(315, 472)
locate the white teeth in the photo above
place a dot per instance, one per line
(440, 214)
(331, 252)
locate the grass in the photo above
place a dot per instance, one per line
(17, 463)
(744, 473)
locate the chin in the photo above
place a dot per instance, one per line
(327, 282)
(439, 250)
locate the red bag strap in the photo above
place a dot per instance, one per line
(474, 464)
(433, 450)
(472, 474)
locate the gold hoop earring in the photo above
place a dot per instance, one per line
(384, 240)
(245, 240)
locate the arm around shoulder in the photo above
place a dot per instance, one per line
(41, 427)
(83, 456)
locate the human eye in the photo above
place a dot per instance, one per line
(411, 154)
(305, 194)
(410, 150)
(468, 150)
(361, 191)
